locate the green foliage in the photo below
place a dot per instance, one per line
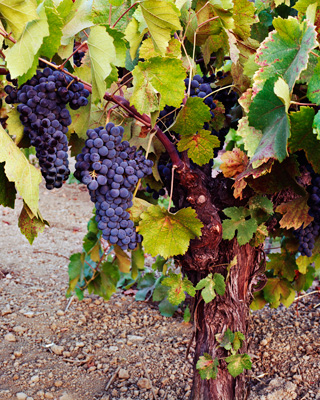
(186, 124)
(207, 367)
(210, 286)
(237, 363)
(178, 287)
(173, 231)
(239, 223)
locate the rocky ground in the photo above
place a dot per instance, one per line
(121, 349)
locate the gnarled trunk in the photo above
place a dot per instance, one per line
(211, 254)
(228, 311)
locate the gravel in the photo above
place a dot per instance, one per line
(121, 349)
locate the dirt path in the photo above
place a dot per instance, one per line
(120, 350)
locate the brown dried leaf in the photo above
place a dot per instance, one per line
(234, 162)
(295, 213)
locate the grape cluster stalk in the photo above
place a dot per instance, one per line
(42, 106)
(111, 169)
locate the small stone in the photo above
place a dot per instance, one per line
(29, 398)
(29, 314)
(6, 310)
(79, 344)
(57, 349)
(264, 342)
(19, 329)
(134, 338)
(21, 396)
(17, 353)
(144, 383)
(58, 383)
(113, 348)
(123, 374)
(60, 313)
(9, 337)
(65, 396)
(34, 378)
(48, 395)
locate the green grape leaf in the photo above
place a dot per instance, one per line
(278, 291)
(186, 123)
(30, 225)
(302, 5)
(139, 206)
(164, 75)
(293, 41)
(178, 286)
(304, 281)
(316, 125)
(200, 146)
(7, 189)
(137, 259)
(18, 14)
(268, 114)
(210, 285)
(245, 227)
(102, 53)
(145, 285)
(120, 46)
(303, 262)
(166, 308)
(313, 91)
(75, 270)
(18, 170)
(51, 43)
(207, 367)
(14, 125)
(283, 264)
(161, 18)
(251, 136)
(105, 284)
(295, 213)
(226, 339)
(258, 301)
(238, 340)
(173, 232)
(78, 19)
(160, 292)
(237, 363)
(187, 314)
(303, 138)
(223, 8)
(133, 36)
(20, 58)
(243, 15)
(147, 50)
(122, 259)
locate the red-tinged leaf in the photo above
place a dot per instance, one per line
(245, 100)
(239, 187)
(186, 123)
(268, 114)
(207, 366)
(233, 162)
(30, 225)
(295, 213)
(285, 52)
(278, 291)
(199, 146)
(243, 14)
(283, 264)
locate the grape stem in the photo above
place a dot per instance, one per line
(75, 51)
(124, 13)
(124, 104)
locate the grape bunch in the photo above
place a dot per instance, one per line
(42, 107)
(78, 56)
(308, 235)
(155, 193)
(111, 169)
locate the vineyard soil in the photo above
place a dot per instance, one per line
(92, 340)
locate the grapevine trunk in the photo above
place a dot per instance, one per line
(228, 311)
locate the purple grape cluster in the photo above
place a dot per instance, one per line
(42, 107)
(308, 235)
(78, 56)
(111, 169)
